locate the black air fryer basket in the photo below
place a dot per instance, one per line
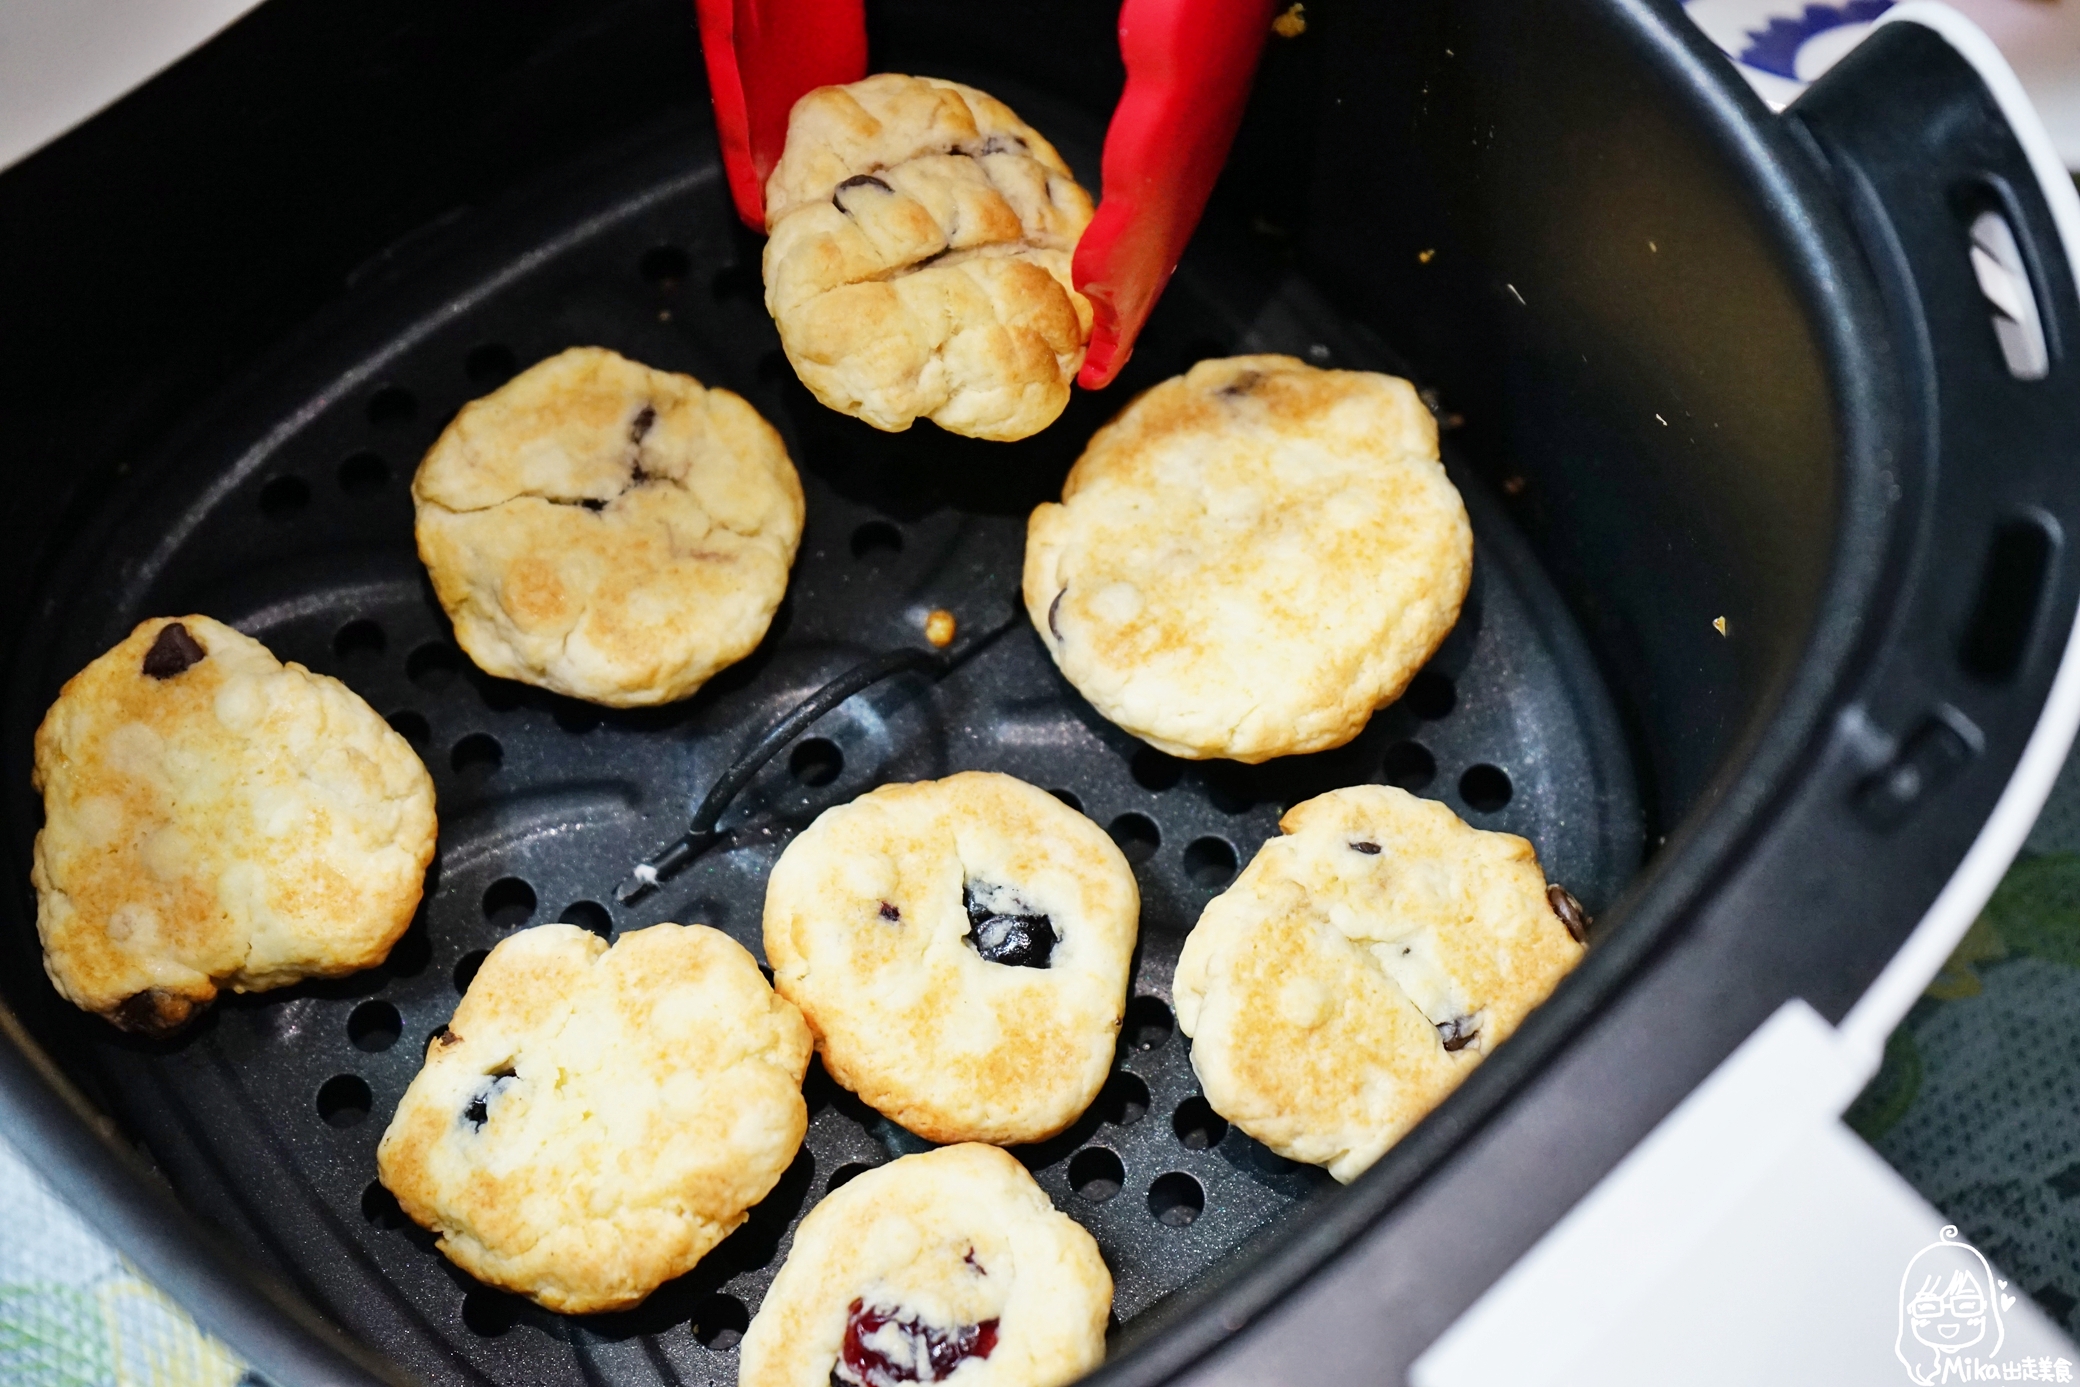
(1770, 587)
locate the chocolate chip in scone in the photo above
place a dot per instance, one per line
(886, 1348)
(858, 180)
(1459, 1032)
(153, 1012)
(172, 651)
(642, 424)
(444, 1037)
(1054, 610)
(1004, 929)
(1369, 849)
(1242, 384)
(1570, 912)
(891, 913)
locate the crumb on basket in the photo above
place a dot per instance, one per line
(939, 628)
(1291, 23)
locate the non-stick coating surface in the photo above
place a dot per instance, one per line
(286, 513)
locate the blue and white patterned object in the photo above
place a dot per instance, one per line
(1781, 45)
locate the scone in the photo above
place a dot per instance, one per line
(1359, 967)
(608, 531)
(947, 1266)
(215, 818)
(594, 1119)
(960, 948)
(1251, 558)
(918, 260)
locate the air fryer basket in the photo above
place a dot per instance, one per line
(1662, 350)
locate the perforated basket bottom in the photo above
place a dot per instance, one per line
(286, 512)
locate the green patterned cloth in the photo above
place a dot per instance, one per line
(74, 1314)
(1978, 1101)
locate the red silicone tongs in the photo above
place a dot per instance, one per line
(1189, 65)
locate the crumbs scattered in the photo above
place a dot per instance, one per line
(1424, 257)
(1719, 624)
(939, 628)
(1292, 23)
(1513, 486)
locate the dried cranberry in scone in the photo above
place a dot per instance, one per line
(951, 1264)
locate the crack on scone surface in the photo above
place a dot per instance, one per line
(883, 1347)
(1459, 1032)
(1005, 929)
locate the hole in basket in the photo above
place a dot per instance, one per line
(1429, 695)
(1210, 863)
(589, 915)
(1176, 1199)
(1153, 770)
(1197, 1125)
(509, 902)
(363, 474)
(1096, 1174)
(357, 639)
(411, 726)
(412, 951)
(737, 282)
(374, 1026)
(466, 969)
(877, 539)
(477, 755)
(1124, 1100)
(393, 404)
(665, 265)
(1229, 796)
(720, 1322)
(343, 1100)
(493, 363)
(1069, 798)
(2003, 276)
(283, 497)
(487, 1313)
(1409, 765)
(845, 1175)
(433, 666)
(2011, 584)
(1137, 836)
(1147, 1025)
(816, 761)
(577, 718)
(1485, 788)
(380, 1207)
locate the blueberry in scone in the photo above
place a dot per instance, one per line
(946, 1266)
(918, 260)
(215, 818)
(594, 1119)
(608, 531)
(1359, 968)
(960, 948)
(1251, 558)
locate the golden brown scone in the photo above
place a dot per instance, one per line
(1359, 968)
(608, 531)
(595, 1119)
(918, 264)
(1251, 558)
(214, 818)
(960, 947)
(950, 1266)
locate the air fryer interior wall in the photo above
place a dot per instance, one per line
(1661, 353)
